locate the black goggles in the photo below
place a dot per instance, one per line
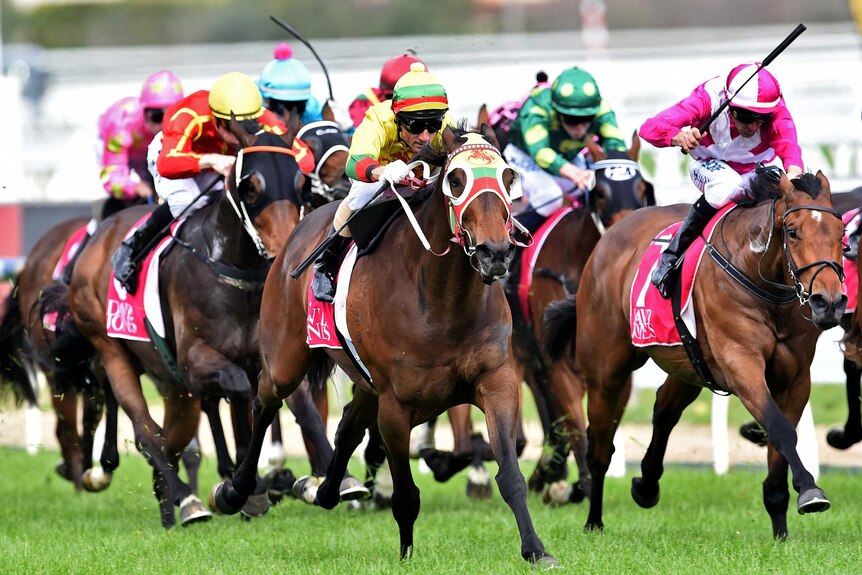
(748, 117)
(418, 125)
(280, 107)
(576, 120)
(155, 115)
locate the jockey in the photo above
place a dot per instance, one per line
(548, 136)
(194, 152)
(126, 128)
(392, 133)
(392, 71)
(756, 127)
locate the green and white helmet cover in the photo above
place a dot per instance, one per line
(575, 93)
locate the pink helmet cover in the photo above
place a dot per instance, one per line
(761, 94)
(160, 90)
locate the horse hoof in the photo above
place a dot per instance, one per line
(842, 439)
(279, 482)
(351, 489)
(63, 471)
(643, 497)
(95, 479)
(812, 501)
(218, 502)
(557, 493)
(255, 506)
(479, 484)
(192, 510)
(305, 488)
(544, 562)
(754, 433)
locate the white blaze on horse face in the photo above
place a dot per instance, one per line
(817, 216)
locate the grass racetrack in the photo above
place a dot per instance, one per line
(703, 524)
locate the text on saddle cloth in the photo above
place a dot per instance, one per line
(326, 321)
(651, 318)
(530, 255)
(124, 312)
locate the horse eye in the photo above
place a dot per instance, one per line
(791, 233)
(252, 187)
(456, 185)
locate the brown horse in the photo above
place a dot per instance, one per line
(783, 245)
(449, 342)
(225, 246)
(33, 350)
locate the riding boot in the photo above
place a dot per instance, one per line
(853, 241)
(326, 268)
(67, 269)
(133, 249)
(665, 274)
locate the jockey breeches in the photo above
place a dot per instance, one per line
(543, 191)
(719, 183)
(178, 194)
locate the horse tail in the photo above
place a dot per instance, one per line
(321, 368)
(71, 352)
(558, 327)
(14, 350)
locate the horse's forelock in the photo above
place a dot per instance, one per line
(808, 183)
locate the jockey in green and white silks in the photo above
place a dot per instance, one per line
(548, 138)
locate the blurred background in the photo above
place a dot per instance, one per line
(64, 62)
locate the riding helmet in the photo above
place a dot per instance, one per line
(761, 94)
(393, 69)
(575, 93)
(237, 94)
(419, 93)
(285, 78)
(160, 90)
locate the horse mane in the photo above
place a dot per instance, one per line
(765, 186)
(434, 157)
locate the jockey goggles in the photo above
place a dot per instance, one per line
(748, 117)
(418, 125)
(576, 120)
(281, 107)
(155, 115)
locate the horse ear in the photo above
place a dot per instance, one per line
(327, 113)
(484, 117)
(595, 151)
(635, 150)
(489, 135)
(449, 139)
(294, 123)
(236, 128)
(824, 182)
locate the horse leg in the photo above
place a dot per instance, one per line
(671, 400)
(225, 464)
(498, 394)
(99, 478)
(301, 404)
(551, 464)
(375, 457)
(852, 432)
(182, 417)
(71, 466)
(191, 460)
(277, 455)
(358, 415)
(445, 464)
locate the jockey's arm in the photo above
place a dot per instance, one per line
(793, 171)
(584, 179)
(687, 139)
(217, 163)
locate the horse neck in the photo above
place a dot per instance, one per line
(225, 239)
(449, 283)
(751, 253)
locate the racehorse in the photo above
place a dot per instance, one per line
(225, 246)
(31, 347)
(781, 244)
(449, 342)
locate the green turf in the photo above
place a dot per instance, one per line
(704, 524)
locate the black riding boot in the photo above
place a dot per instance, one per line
(326, 267)
(665, 274)
(131, 251)
(853, 241)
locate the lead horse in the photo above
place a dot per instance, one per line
(448, 343)
(784, 245)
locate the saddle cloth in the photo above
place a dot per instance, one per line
(125, 312)
(529, 257)
(71, 248)
(327, 320)
(651, 317)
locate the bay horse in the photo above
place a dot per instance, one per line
(780, 245)
(224, 248)
(449, 342)
(31, 347)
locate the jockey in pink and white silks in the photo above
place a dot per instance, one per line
(756, 127)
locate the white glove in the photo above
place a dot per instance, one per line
(394, 172)
(340, 115)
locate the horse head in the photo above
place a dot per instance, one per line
(812, 233)
(330, 146)
(620, 187)
(479, 187)
(264, 186)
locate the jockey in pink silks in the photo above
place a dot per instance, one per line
(754, 128)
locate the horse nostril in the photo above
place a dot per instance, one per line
(818, 304)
